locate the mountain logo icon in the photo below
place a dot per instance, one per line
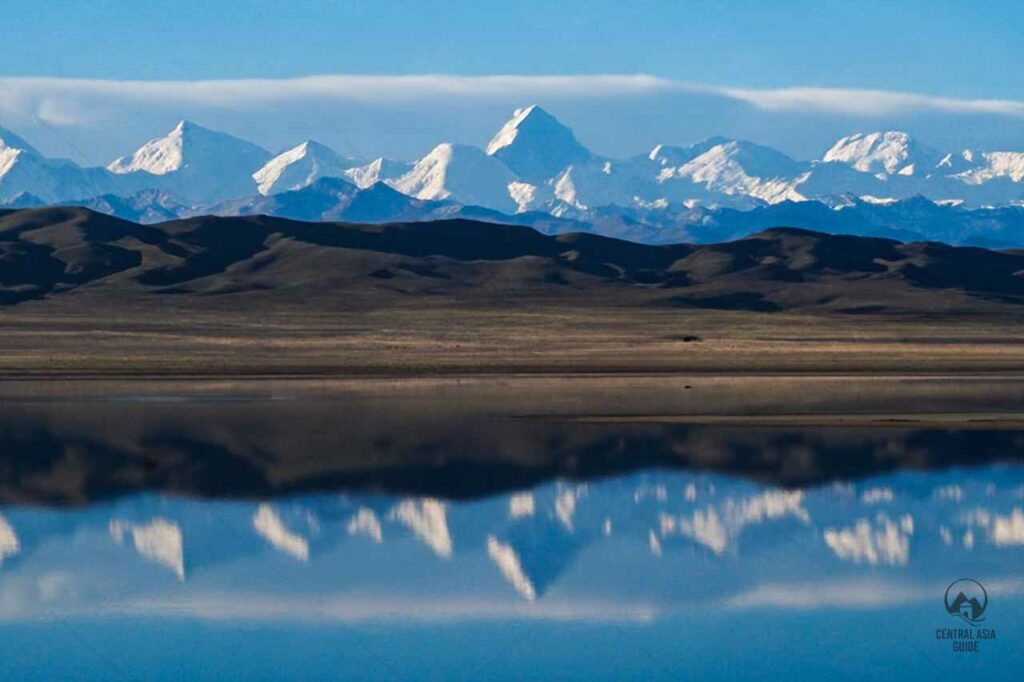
(967, 599)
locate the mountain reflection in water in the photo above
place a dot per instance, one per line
(431, 534)
(465, 439)
(655, 553)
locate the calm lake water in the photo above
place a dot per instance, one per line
(719, 553)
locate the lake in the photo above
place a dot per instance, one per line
(457, 530)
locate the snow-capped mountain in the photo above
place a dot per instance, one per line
(536, 146)
(583, 186)
(461, 172)
(378, 170)
(731, 168)
(534, 164)
(977, 168)
(668, 156)
(195, 163)
(884, 153)
(301, 166)
(24, 171)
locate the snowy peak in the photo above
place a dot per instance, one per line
(27, 175)
(195, 163)
(953, 163)
(883, 153)
(536, 146)
(10, 141)
(300, 166)
(12, 148)
(667, 155)
(510, 131)
(754, 158)
(459, 171)
(733, 167)
(533, 163)
(976, 168)
(184, 145)
(158, 156)
(378, 170)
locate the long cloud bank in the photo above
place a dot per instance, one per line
(60, 101)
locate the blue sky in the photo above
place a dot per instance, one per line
(952, 50)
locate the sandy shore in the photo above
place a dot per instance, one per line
(984, 420)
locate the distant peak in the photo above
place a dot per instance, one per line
(883, 151)
(522, 112)
(216, 157)
(876, 136)
(707, 143)
(185, 126)
(716, 140)
(532, 113)
(300, 166)
(531, 119)
(536, 145)
(529, 113)
(313, 145)
(670, 155)
(309, 147)
(453, 148)
(13, 141)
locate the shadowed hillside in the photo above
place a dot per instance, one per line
(51, 252)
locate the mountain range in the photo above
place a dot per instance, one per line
(260, 261)
(534, 166)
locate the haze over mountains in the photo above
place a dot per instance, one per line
(535, 171)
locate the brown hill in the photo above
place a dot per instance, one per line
(257, 261)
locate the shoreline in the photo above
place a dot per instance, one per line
(1007, 421)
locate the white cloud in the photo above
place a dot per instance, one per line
(865, 594)
(37, 96)
(867, 102)
(63, 101)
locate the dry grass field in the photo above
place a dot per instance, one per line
(53, 338)
(86, 294)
